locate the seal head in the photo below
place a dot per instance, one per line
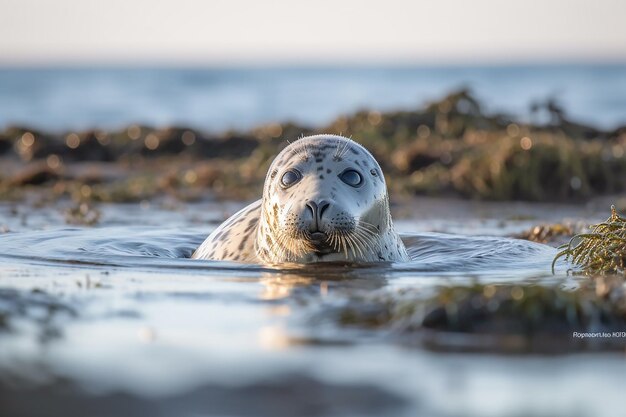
(325, 199)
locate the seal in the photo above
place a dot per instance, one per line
(324, 199)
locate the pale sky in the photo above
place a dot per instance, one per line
(304, 32)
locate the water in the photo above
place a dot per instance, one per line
(120, 315)
(216, 99)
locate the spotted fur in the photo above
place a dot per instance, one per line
(356, 225)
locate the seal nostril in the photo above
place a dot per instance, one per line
(317, 211)
(313, 207)
(322, 206)
(314, 213)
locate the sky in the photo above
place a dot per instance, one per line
(308, 32)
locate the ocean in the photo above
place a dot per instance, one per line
(214, 99)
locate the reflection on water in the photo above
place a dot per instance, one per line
(119, 315)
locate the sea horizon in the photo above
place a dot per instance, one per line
(215, 98)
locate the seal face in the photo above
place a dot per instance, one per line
(324, 199)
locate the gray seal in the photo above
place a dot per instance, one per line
(324, 199)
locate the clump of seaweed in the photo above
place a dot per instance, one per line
(548, 233)
(517, 317)
(602, 250)
(451, 147)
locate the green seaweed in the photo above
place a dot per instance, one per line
(602, 250)
(548, 233)
(495, 317)
(448, 147)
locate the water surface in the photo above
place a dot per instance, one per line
(119, 315)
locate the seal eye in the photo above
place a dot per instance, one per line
(351, 177)
(290, 177)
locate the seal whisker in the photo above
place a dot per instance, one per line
(337, 152)
(298, 245)
(367, 230)
(369, 241)
(335, 241)
(365, 240)
(365, 224)
(343, 243)
(331, 240)
(300, 150)
(356, 244)
(276, 247)
(369, 227)
(345, 149)
(350, 243)
(305, 150)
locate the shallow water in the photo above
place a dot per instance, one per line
(119, 315)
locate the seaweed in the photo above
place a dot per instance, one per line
(601, 251)
(548, 233)
(450, 147)
(519, 317)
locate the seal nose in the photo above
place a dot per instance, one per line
(317, 210)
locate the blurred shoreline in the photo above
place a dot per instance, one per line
(218, 99)
(450, 147)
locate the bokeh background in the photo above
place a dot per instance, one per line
(485, 99)
(130, 129)
(74, 64)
